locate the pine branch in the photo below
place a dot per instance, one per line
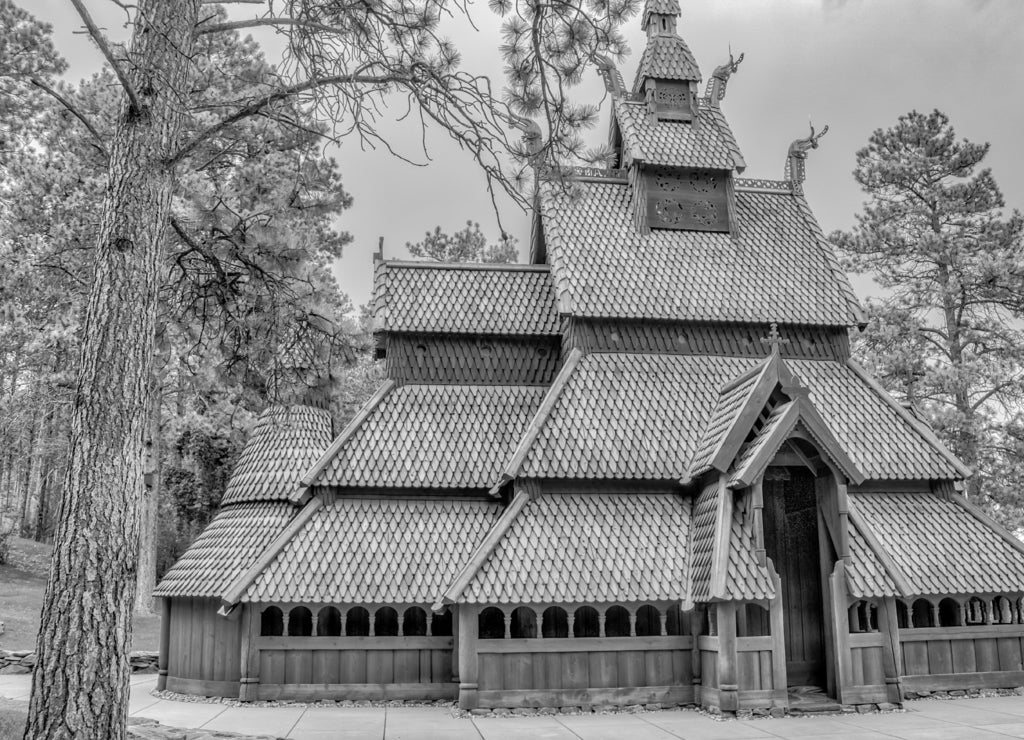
(104, 47)
(74, 111)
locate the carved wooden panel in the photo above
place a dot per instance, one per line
(693, 200)
(671, 100)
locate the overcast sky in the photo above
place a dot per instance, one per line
(852, 64)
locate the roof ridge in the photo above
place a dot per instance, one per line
(485, 266)
(915, 424)
(350, 429)
(842, 279)
(539, 419)
(483, 551)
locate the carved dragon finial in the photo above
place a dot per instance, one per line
(720, 78)
(797, 155)
(533, 137)
(613, 81)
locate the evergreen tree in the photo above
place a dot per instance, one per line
(466, 245)
(947, 333)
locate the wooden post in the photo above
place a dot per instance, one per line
(825, 573)
(165, 643)
(777, 617)
(840, 628)
(250, 655)
(468, 661)
(757, 498)
(455, 643)
(892, 651)
(696, 625)
(728, 680)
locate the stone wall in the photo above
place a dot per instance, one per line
(22, 661)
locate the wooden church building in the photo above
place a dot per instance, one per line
(642, 469)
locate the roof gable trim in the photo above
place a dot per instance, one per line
(318, 467)
(454, 592)
(530, 435)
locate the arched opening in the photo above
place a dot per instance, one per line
(328, 622)
(300, 622)
(921, 614)
(524, 622)
(491, 624)
(357, 622)
(1002, 610)
(863, 617)
(271, 622)
(902, 615)
(976, 611)
(949, 613)
(648, 621)
(756, 621)
(616, 621)
(441, 624)
(414, 622)
(385, 622)
(674, 620)
(585, 623)
(554, 622)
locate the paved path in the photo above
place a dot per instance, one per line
(963, 719)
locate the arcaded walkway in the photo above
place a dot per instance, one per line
(963, 719)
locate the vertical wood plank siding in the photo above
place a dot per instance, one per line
(738, 340)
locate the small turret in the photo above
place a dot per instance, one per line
(668, 74)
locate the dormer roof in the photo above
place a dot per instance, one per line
(708, 145)
(667, 57)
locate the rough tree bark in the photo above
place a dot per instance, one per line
(148, 506)
(80, 682)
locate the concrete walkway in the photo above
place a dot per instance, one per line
(962, 719)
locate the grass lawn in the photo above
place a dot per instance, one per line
(13, 715)
(21, 601)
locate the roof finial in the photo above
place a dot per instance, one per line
(720, 77)
(798, 154)
(774, 339)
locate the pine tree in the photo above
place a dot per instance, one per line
(946, 335)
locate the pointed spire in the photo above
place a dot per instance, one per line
(659, 16)
(666, 56)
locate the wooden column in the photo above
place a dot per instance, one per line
(697, 665)
(728, 677)
(757, 499)
(250, 654)
(825, 573)
(468, 662)
(777, 617)
(165, 643)
(455, 643)
(892, 651)
(840, 627)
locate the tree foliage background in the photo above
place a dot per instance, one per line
(948, 335)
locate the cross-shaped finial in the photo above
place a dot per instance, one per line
(774, 339)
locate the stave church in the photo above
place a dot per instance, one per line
(641, 469)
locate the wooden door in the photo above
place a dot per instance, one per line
(791, 541)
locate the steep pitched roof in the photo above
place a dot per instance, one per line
(776, 269)
(431, 436)
(666, 57)
(593, 547)
(374, 551)
(664, 7)
(866, 576)
(225, 549)
(642, 416)
(941, 545)
(464, 298)
(710, 144)
(284, 443)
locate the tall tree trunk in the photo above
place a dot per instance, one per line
(25, 479)
(148, 507)
(80, 682)
(37, 462)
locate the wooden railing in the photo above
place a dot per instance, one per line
(947, 658)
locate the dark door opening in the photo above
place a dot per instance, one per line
(791, 541)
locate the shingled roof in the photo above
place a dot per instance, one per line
(709, 145)
(593, 547)
(431, 436)
(778, 268)
(666, 57)
(375, 551)
(285, 441)
(642, 416)
(464, 298)
(225, 549)
(939, 544)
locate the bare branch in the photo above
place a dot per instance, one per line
(257, 106)
(75, 112)
(104, 48)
